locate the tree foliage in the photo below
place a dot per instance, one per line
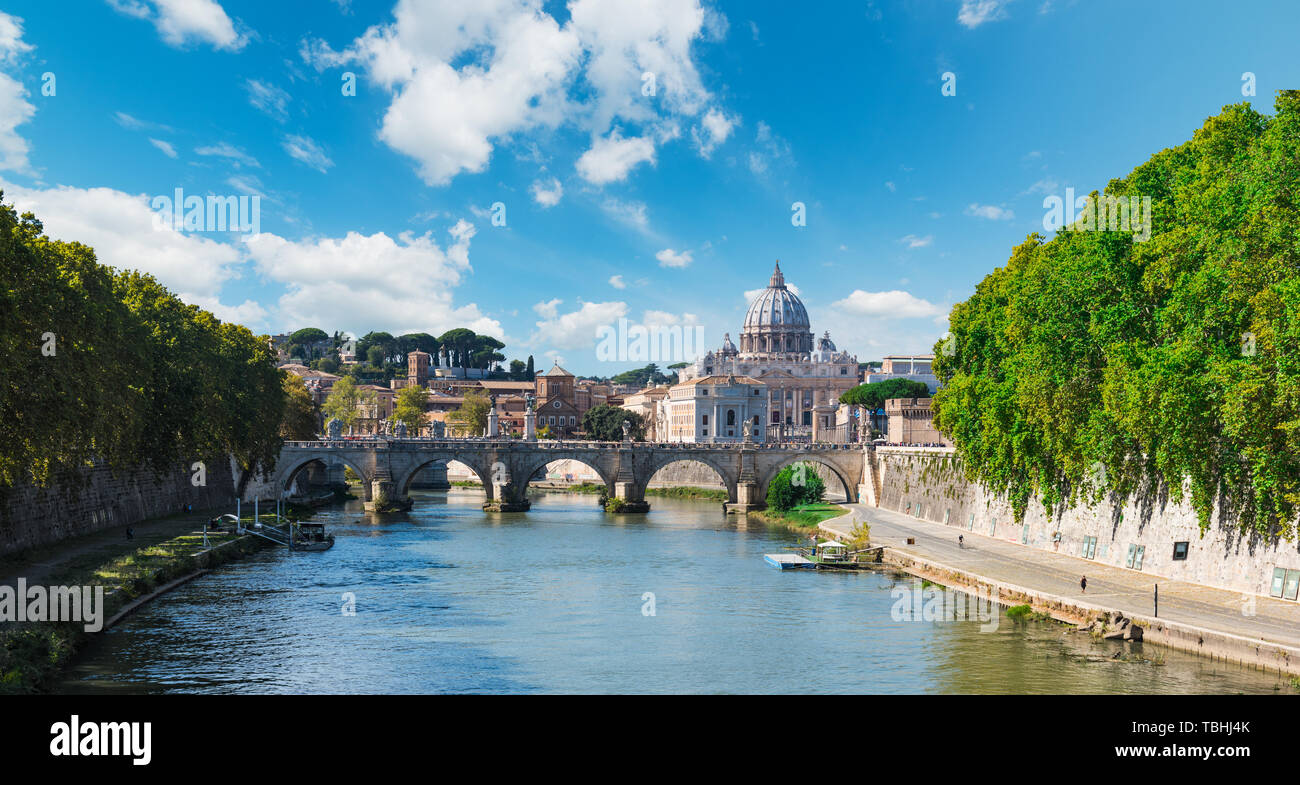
(795, 485)
(299, 421)
(346, 400)
(409, 408)
(874, 395)
(1095, 363)
(470, 418)
(112, 366)
(605, 423)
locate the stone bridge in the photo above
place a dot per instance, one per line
(388, 466)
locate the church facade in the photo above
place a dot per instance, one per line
(803, 376)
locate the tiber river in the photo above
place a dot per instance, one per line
(449, 599)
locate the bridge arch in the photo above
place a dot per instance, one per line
(531, 467)
(662, 460)
(285, 474)
(483, 473)
(836, 470)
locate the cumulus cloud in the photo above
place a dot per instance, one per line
(121, 228)
(670, 258)
(991, 212)
(912, 241)
(611, 158)
(617, 282)
(713, 130)
(547, 194)
(974, 13)
(466, 76)
(182, 21)
(575, 329)
(404, 284)
(15, 109)
(893, 303)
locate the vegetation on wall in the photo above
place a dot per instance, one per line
(1093, 362)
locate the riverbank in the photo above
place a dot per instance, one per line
(1257, 632)
(163, 554)
(803, 516)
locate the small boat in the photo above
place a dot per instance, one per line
(788, 561)
(311, 537)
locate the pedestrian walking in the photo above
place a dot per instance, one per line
(1083, 584)
(961, 541)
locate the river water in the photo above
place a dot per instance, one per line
(449, 599)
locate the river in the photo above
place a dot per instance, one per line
(449, 599)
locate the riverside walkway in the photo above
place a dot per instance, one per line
(1214, 622)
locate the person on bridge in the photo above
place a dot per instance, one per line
(961, 541)
(1083, 584)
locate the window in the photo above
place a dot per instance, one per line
(704, 392)
(1024, 534)
(1089, 548)
(970, 523)
(573, 420)
(1129, 561)
(704, 432)
(946, 513)
(705, 421)
(993, 528)
(1279, 578)
(1137, 556)
(731, 417)
(1292, 583)
(1180, 551)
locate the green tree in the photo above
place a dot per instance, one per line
(795, 485)
(1099, 362)
(874, 395)
(457, 343)
(409, 408)
(470, 419)
(605, 423)
(531, 371)
(299, 420)
(346, 401)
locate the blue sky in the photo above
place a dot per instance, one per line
(376, 208)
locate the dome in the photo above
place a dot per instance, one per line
(777, 307)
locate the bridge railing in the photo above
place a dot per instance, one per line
(555, 444)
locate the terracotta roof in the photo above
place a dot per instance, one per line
(557, 371)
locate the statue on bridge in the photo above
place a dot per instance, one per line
(400, 430)
(334, 428)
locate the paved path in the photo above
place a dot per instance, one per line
(101, 547)
(1130, 591)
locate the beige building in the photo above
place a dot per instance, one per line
(714, 409)
(648, 403)
(911, 422)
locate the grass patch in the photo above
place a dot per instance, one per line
(803, 516)
(688, 492)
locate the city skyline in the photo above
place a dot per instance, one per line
(920, 141)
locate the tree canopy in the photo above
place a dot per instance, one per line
(605, 423)
(1095, 362)
(874, 395)
(110, 365)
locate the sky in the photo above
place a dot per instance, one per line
(540, 170)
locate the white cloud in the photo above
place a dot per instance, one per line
(612, 157)
(467, 76)
(652, 317)
(305, 150)
(547, 194)
(713, 130)
(632, 214)
(548, 309)
(15, 109)
(180, 21)
(374, 281)
(895, 303)
(166, 147)
(991, 212)
(576, 329)
(121, 228)
(617, 282)
(912, 241)
(890, 185)
(974, 13)
(670, 258)
(226, 150)
(268, 98)
(772, 149)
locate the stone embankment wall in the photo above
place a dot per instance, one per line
(930, 484)
(31, 517)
